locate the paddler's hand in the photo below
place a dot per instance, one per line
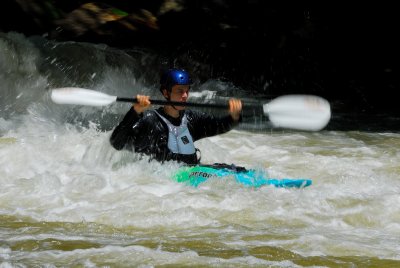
(235, 108)
(142, 104)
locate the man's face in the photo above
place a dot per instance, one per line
(178, 93)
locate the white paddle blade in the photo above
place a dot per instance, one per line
(302, 112)
(81, 96)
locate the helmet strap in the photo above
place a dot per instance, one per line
(168, 97)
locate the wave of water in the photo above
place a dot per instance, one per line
(67, 198)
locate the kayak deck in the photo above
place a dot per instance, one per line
(195, 175)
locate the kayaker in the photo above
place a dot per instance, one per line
(169, 132)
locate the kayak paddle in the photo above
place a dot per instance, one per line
(302, 112)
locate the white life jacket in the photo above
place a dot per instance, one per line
(180, 140)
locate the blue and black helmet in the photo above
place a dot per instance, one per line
(173, 77)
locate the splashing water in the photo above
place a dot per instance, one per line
(67, 198)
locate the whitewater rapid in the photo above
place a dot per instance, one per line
(67, 198)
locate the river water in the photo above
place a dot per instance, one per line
(67, 198)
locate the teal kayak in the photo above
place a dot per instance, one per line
(195, 175)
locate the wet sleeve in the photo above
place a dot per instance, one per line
(123, 134)
(206, 125)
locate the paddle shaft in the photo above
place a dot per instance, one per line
(302, 112)
(177, 103)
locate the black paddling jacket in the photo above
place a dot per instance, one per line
(147, 133)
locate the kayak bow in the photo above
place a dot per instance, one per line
(195, 175)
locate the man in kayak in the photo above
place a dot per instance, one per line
(169, 132)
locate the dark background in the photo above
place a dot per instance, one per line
(349, 55)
